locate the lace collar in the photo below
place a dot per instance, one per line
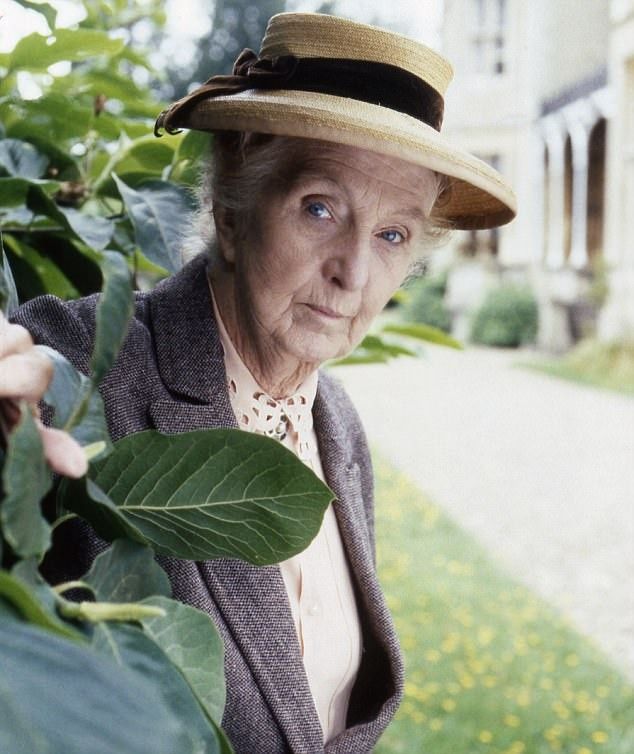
(289, 420)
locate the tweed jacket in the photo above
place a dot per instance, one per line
(170, 376)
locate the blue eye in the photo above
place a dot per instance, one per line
(392, 236)
(317, 209)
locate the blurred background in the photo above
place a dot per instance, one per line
(505, 480)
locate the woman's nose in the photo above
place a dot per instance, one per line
(348, 265)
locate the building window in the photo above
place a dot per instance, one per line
(490, 20)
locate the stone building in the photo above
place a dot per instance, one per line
(544, 92)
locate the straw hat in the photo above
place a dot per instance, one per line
(329, 78)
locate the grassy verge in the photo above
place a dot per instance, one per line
(604, 365)
(491, 669)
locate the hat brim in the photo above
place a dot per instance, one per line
(478, 197)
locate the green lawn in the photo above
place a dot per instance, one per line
(490, 667)
(605, 365)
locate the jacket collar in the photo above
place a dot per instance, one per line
(188, 349)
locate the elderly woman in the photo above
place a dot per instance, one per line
(329, 177)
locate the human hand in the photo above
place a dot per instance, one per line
(24, 375)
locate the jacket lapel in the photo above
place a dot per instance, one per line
(343, 477)
(251, 599)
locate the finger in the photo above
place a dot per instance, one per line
(25, 375)
(13, 338)
(64, 455)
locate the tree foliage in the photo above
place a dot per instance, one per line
(90, 201)
(235, 24)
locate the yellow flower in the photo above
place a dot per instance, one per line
(485, 736)
(512, 721)
(449, 705)
(552, 734)
(485, 635)
(432, 655)
(599, 736)
(524, 697)
(450, 643)
(466, 681)
(572, 660)
(435, 724)
(603, 692)
(583, 750)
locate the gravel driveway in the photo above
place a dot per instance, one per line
(540, 470)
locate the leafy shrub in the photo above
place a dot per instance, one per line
(425, 304)
(508, 317)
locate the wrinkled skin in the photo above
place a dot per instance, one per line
(327, 254)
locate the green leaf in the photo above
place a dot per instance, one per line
(194, 145)
(37, 52)
(26, 479)
(68, 388)
(114, 311)
(424, 332)
(48, 11)
(192, 642)
(93, 230)
(127, 572)
(160, 213)
(8, 293)
(204, 494)
(89, 501)
(14, 191)
(21, 159)
(58, 697)
(380, 345)
(54, 116)
(25, 600)
(45, 271)
(374, 349)
(133, 649)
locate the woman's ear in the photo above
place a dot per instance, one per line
(225, 233)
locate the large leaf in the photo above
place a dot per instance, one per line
(132, 648)
(113, 313)
(54, 116)
(21, 159)
(45, 272)
(374, 349)
(58, 697)
(127, 572)
(26, 479)
(15, 191)
(37, 52)
(8, 292)
(204, 494)
(66, 389)
(26, 601)
(160, 213)
(420, 331)
(93, 230)
(192, 642)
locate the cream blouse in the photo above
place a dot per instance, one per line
(318, 580)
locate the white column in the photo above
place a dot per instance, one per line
(580, 118)
(554, 135)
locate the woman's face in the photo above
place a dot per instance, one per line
(327, 255)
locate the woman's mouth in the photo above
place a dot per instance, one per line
(326, 312)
